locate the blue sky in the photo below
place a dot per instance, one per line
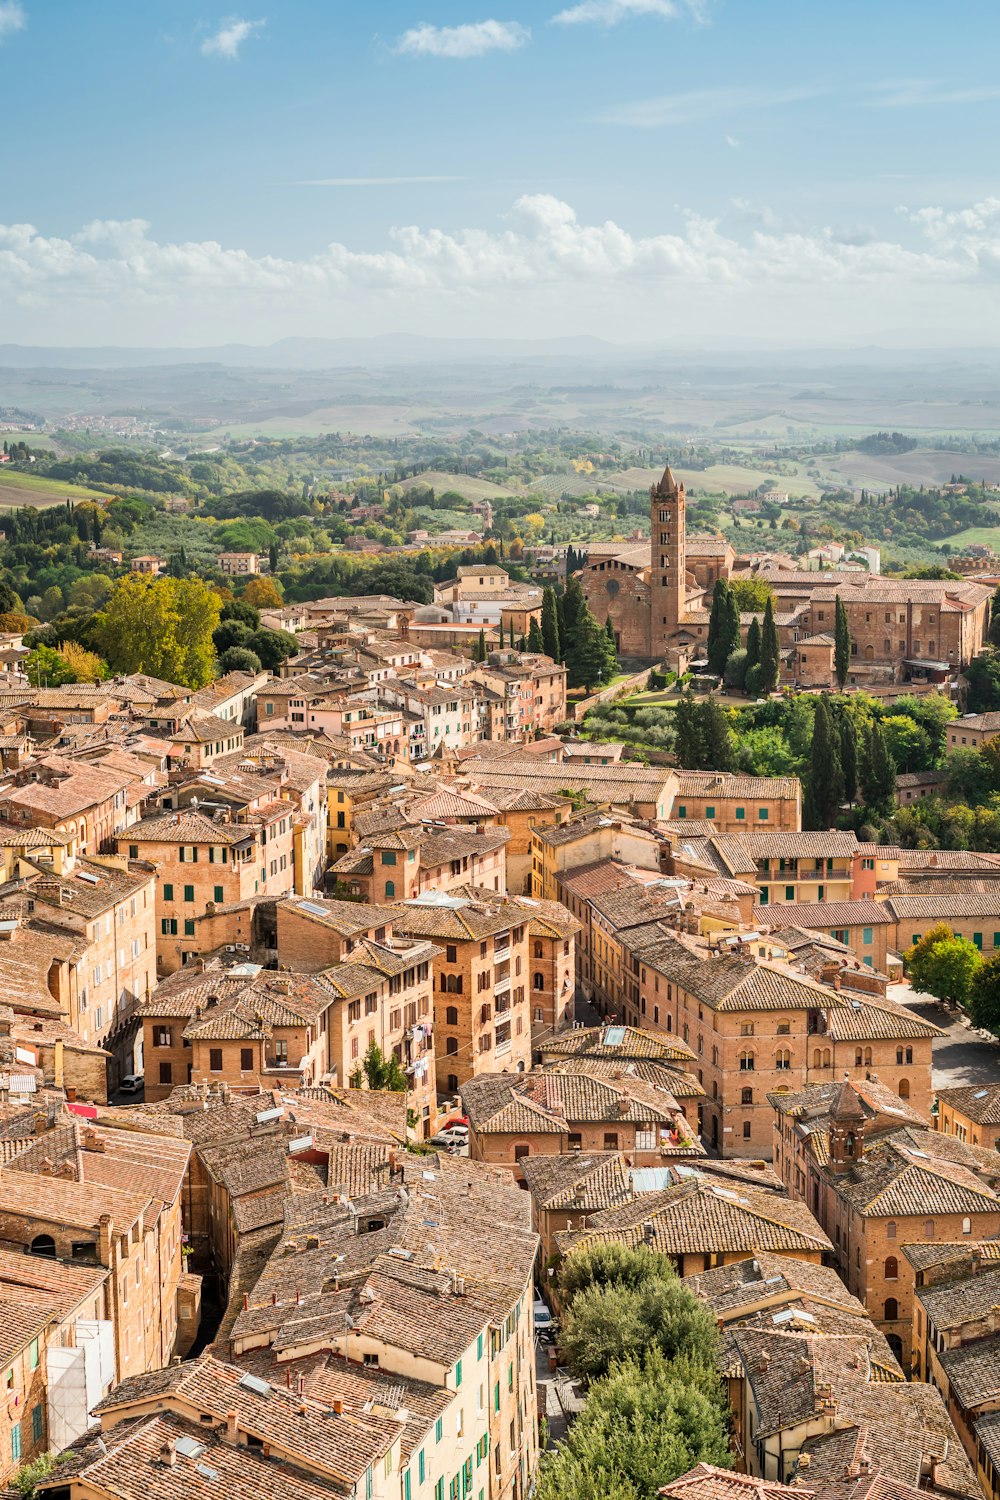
(644, 170)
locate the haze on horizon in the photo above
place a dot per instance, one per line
(650, 172)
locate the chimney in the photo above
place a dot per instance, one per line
(763, 1364)
(231, 1426)
(168, 1454)
(338, 1407)
(106, 1229)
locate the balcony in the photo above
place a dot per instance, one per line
(502, 1049)
(502, 980)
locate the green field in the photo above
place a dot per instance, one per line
(31, 489)
(984, 536)
(465, 485)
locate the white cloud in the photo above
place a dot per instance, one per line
(704, 104)
(542, 271)
(12, 18)
(907, 93)
(227, 41)
(732, 141)
(611, 12)
(371, 181)
(470, 40)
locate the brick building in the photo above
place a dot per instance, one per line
(200, 859)
(549, 1113)
(875, 1184)
(482, 1015)
(971, 1114)
(656, 596)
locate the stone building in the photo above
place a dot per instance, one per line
(971, 1114)
(513, 1118)
(656, 596)
(877, 1182)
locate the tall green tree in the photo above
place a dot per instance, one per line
(550, 626)
(943, 965)
(723, 628)
(841, 643)
(587, 651)
(878, 773)
(479, 650)
(849, 756)
(609, 631)
(162, 626)
(825, 790)
(753, 644)
(535, 637)
(718, 749)
(994, 626)
(770, 651)
(645, 1424)
(984, 997)
(715, 626)
(689, 746)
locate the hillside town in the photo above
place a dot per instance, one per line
(355, 1014)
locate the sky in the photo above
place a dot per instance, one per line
(688, 173)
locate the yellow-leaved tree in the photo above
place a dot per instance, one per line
(161, 626)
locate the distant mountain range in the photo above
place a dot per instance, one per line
(385, 350)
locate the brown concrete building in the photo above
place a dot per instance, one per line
(757, 1027)
(821, 1405)
(247, 1027)
(413, 860)
(454, 1313)
(956, 1344)
(656, 597)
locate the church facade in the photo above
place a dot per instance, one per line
(658, 595)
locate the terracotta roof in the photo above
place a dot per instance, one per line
(980, 1104)
(706, 1482)
(618, 1043)
(703, 1217)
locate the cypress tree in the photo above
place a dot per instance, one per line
(878, 776)
(479, 654)
(994, 630)
(609, 631)
(689, 746)
(842, 644)
(753, 643)
(535, 637)
(849, 756)
(716, 642)
(550, 626)
(717, 741)
(732, 623)
(826, 778)
(770, 654)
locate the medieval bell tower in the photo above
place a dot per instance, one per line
(668, 574)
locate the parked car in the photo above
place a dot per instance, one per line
(453, 1135)
(132, 1083)
(456, 1120)
(544, 1326)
